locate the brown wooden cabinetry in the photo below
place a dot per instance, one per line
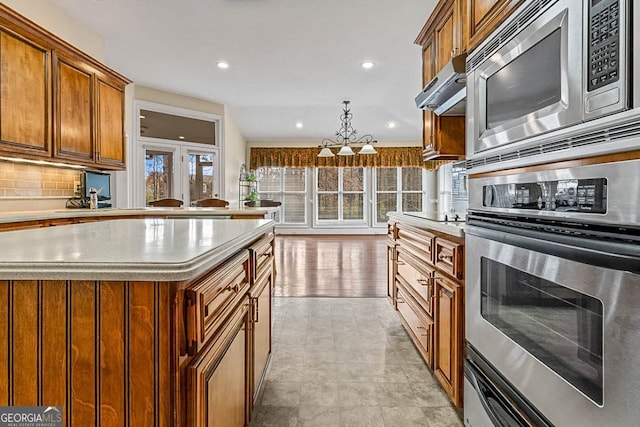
(484, 16)
(442, 38)
(74, 110)
(429, 293)
(140, 353)
(449, 336)
(217, 378)
(25, 95)
(54, 95)
(262, 272)
(109, 124)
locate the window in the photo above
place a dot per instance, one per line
(398, 189)
(158, 174)
(340, 195)
(288, 186)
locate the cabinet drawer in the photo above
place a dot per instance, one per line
(261, 254)
(419, 280)
(211, 299)
(419, 326)
(416, 241)
(449, 257)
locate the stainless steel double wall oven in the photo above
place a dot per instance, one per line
(553, 295)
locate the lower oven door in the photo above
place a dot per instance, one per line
(559, 321)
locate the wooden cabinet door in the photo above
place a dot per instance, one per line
(449, 336)
(484, 16)
(25, 96)
(428, 72)
(73, 88)
(217, 378)
(391, 271)
(261, 331)
(446, 39)
(110, 125)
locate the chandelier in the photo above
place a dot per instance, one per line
(347, 135)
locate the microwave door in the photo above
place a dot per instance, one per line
(532, 85)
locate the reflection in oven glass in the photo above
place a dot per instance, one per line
(559, 326)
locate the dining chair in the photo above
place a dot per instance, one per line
(263, 203)
(172, 203)
(212, 203)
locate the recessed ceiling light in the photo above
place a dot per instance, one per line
(143, 116)
(299, 125)
(181, 137)
(223, 64)
(367, 65)
(391, 125)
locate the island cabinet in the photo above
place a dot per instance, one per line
(56, 102)
(429, 284)
(260, 293)
(442, 38)
(143, 352)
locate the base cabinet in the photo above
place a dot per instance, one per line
(217, 379)
(261, 315)
(428, 269)
(140, 353)
(448, 336)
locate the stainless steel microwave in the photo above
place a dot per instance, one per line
(553, 65)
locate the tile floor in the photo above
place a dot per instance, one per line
(347, 362)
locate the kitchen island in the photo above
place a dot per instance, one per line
(45, 218)
(137, 321)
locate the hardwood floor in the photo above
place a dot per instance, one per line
(331, 266)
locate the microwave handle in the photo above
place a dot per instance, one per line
(501, 412)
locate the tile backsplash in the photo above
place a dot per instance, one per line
(22, 180)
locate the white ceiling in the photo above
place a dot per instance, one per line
(290, 60)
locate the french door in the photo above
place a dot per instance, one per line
(178, 171)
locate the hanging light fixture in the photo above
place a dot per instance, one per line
(347, 135)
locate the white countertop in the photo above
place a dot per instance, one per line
(148, 211)
(125, 249)
(430, 221)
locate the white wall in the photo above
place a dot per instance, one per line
(234, 156)
(233, 147)
(55, 20)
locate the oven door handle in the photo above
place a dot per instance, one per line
(606, 254)
(502, 412)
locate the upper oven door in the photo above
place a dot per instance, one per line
(559, 321)
(531, 85)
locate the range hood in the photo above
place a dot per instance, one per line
(446, 93)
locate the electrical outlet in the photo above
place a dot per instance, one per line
(76, 185)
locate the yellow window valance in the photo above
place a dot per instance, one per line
(307, 157)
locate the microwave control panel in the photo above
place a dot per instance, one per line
(565, 195)
(604, 43)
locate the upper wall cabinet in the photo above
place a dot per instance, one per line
(484, 16)
(25, 96)
(442, 38)
(57, 102)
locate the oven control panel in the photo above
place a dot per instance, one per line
(604, 42)
(568, 195)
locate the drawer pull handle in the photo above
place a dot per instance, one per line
(424, 331)
(266, 254)
(424, 282)
(443, 257)
(401, 262)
